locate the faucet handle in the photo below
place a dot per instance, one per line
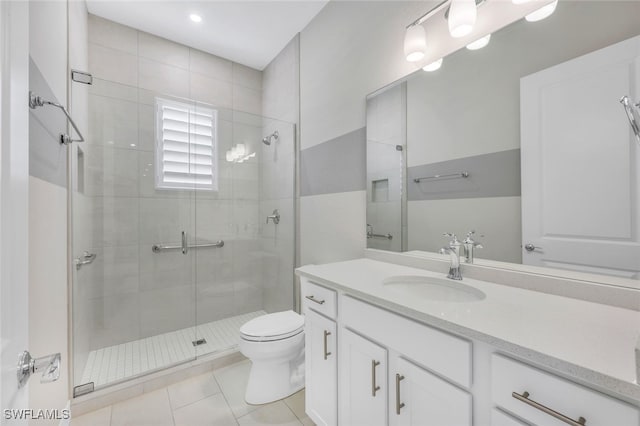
(469, 239)
(454, 238)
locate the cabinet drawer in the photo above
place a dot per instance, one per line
(500, 418)
(318, 298)
(443, 353)
(510, 377)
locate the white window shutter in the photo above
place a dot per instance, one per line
(186, 146)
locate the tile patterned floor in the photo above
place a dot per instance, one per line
(119, 362)
(212, 399)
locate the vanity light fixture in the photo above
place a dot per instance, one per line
(479, 43)
(415, 42)
(435, 65)
(542, 13)
(195, 17)
(462, 17)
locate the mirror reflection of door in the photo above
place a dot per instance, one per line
(580, 182)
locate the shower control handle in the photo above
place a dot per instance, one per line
(275, 217)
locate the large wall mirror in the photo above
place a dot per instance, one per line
(524, 141)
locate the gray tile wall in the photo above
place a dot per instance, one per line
(133, 292)
(280, 100)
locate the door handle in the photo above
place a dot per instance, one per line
(374, 387)
(530, 247)
(326, 335)
(28, 366)
(399, 404)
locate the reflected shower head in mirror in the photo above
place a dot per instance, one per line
(273, 136)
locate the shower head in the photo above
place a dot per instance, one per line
(267, 139)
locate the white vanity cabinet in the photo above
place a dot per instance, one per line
(321, 352)
(363, 380)
(421, 398)
(379, 385)
(544, 399)
(372, 366)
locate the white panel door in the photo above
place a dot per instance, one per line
(14, 191)
(321, 369)
(422, 399)
(580, 164)
(363, 381)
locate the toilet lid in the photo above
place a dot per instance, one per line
(274, 326)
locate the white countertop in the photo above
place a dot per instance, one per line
(591, 342)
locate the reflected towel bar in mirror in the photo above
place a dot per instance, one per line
(463, 175)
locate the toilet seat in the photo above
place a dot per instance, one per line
(270, 327)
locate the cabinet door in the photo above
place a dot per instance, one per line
(321, 369)
(363, 381)
(422, 399)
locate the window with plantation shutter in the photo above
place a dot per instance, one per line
(186, 146)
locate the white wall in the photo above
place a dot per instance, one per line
(48, 298)
(347, 51)
(14, 170)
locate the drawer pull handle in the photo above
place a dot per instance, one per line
(326, 335)
(399, 404)
(374, 387)
(313, 299)
(568, 420)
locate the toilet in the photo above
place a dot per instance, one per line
(275, 345)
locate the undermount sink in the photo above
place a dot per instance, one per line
(435, 289)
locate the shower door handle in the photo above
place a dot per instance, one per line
(185, 248)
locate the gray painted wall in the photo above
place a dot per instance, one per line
(337, 165)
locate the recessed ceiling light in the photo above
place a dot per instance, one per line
(195, 17)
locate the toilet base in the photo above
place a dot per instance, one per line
(272, 381)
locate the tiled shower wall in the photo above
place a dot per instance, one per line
(280, 100)
(130, 292)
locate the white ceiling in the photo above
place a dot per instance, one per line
(251, 33)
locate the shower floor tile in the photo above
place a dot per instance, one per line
(119, 362)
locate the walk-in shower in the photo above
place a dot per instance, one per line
(182, 253)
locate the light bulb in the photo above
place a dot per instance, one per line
(433, 66)
(544, 12)
(195, 17)
(479, 43)
(415, 43)
(462, 17)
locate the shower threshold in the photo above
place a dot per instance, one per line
(121, 362)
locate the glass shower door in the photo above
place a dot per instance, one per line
(133, 307)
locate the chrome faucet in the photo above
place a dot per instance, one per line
(470, 245)
(453, 249)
